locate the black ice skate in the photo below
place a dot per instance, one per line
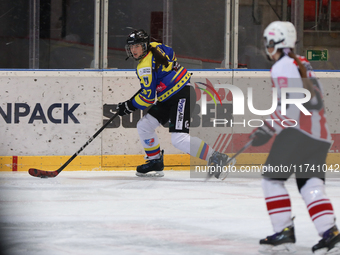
(279, 243)
(152, 168)
(329, 244)
(217, 165)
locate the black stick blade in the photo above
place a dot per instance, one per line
(42, 174)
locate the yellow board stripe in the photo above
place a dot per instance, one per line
(6, 163)
(128, 162)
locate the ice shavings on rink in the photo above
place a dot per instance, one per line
(119, 213)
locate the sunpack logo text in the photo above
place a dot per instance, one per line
(16, 113)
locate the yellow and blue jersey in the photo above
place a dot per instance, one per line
(161, 84)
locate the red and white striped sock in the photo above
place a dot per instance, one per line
(278, 204)
(318, 204)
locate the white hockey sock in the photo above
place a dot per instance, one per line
(278, 203)
(181, 141)
(193, 146)
(318, 204)
(146, 129)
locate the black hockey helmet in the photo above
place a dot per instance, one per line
(137, 37)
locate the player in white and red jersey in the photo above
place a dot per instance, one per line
(300, 147)
(285, 74)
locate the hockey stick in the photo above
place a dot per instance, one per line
(222, 175)
(49, 174)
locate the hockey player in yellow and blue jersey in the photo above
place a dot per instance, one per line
(166, 86)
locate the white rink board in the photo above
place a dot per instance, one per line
(97, 92)
(52, 95)
(117, 88)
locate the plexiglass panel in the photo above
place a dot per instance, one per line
(64, 30)
(60, 34)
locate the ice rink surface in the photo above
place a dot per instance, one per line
(116, 212)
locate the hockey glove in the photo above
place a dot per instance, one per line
(125, 108)
(262, 135)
